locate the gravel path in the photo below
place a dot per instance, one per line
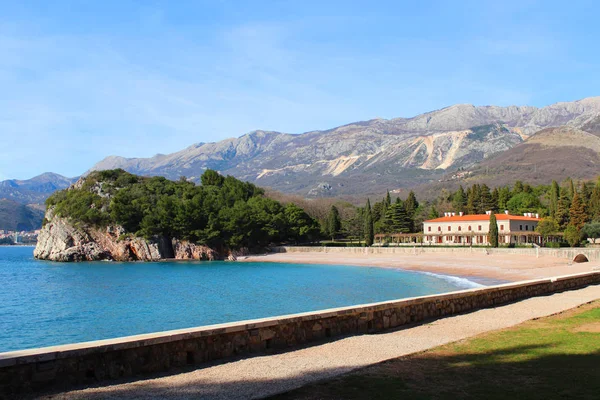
(262, 376)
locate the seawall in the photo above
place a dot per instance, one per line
(62, 367)
(566, 253)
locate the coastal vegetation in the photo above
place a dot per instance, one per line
(222, 212)
(570, 210)
(524, 362)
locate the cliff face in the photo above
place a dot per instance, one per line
(59, 240)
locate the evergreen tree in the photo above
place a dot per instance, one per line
(411, 204)
(433, 213)
(495, 198)
(594, 204)
(577, 214)
(459, 200)
(473, 199)
(388, 199)
(553, 200)
(485, 199)
(493, 233)
(518, 188)
(369, 229)
(503, 198)
(571, 188)
(333, 223)
(562, 210)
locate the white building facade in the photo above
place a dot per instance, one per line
(459, 229)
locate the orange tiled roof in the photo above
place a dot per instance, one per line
(483, 217)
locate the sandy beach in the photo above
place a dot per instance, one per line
(477, 265)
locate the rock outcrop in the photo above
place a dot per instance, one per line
(60, 240)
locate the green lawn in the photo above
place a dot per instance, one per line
(551, 358)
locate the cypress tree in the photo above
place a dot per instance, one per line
(369, 229)
(493, 233)
(411, 204)
(472, 199)
(334, 223)
(495, 197)
(594, 204)
(554, 196)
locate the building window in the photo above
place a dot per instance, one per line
(429, 229)
(479, 227)
(520, 227)
(469, 227)
(459, 229)
(526, 227)
(501, 227)
(449, 229)
(439, 228)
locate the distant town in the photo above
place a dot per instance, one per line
(15, 238)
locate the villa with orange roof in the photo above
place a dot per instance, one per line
(463, 229)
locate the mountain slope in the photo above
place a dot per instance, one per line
(34, 190)
(15, 216)
(367, 156)
(550, 154)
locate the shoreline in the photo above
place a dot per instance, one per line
(478, 268)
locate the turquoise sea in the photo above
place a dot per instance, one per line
(45, 303)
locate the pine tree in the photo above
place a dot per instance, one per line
(459, 200)
(369, 229)
(577, 214)
(493, 233)
(388, 199)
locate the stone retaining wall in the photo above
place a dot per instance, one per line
(61, 367)
(567, 253)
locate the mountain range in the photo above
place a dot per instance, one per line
(460, 144)
(372, 156)
(21, 201)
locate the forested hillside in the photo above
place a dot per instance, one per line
(222, 212)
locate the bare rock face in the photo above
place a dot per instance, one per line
(59, 240)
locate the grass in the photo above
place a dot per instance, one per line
(556, 357)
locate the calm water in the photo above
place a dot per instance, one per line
(44, 303)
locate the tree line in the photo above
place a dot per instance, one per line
(571, 209)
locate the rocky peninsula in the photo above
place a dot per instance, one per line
(114, 215)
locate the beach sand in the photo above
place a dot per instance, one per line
(476, 266)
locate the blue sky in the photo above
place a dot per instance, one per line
(84, 80)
